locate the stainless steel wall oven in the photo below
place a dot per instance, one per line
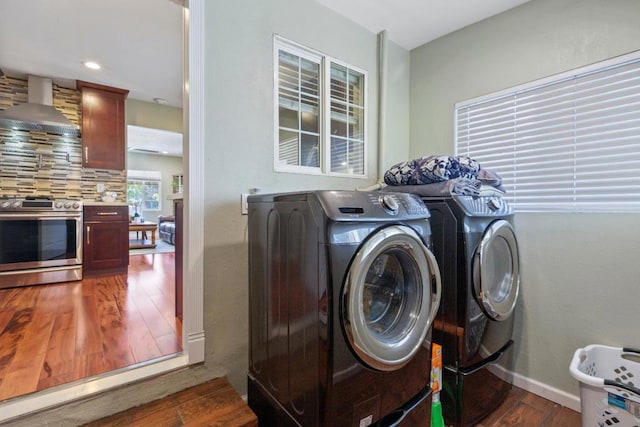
(40, 241)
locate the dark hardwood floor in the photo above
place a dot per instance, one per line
(59, 333)
(215, 403)
(524, 409)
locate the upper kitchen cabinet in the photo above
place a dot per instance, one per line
(103, 128)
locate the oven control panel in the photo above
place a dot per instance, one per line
(28, 204)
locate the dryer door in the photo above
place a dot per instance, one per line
(390, 298)
(496, 271)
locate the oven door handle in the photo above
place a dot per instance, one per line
(40, 215)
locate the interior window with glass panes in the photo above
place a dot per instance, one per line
(347, 120)
(320, 121)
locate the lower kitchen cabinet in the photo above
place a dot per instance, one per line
(106, 239)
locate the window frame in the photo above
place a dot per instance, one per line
(553, 194)
(325, 62)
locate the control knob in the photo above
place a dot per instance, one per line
(67, 205)
(58, 205)
(389, 204)
(494, 204)
(76, 205)
(15, 204)
(4, 204)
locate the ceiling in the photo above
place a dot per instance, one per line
(139, 42)
(411, 23)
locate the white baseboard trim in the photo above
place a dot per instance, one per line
(543, 390)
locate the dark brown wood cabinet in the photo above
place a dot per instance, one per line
(103, 127)
(106, 239)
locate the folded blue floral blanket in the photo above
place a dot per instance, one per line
(430, 169)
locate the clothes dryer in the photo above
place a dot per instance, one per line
(477, 251)
(343, 290)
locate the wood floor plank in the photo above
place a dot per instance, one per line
(201, 390)
(6, 315)
(24, 372)
(58, 361)
(88, 335)
(156, 322)
(159, 413)
(19, 297)
(564, 417)
(169, 344)
(515, 395)
(143, 344)
(12, 336)
(115, 339)
(87, 365)
(522, 415)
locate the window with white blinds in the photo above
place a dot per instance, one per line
(567, 143)
(320, 113)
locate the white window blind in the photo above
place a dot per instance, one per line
(566, 143)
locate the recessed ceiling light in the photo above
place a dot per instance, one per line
(160, 101)
(91, 64)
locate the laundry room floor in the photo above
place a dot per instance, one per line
(216, 403)
(525, 409)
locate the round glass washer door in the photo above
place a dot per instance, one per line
(496, 271)
(390, 297)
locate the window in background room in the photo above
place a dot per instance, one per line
(320, 111)
(144, 190)
(570, 142)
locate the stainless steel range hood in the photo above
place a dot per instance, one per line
(38, 113)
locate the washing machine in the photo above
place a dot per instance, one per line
(343, 291)
(476, 248)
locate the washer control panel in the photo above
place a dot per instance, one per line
(358, 205)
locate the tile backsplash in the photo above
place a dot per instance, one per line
(38, 163)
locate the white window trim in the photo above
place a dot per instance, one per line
(325, 62)
(588, 201)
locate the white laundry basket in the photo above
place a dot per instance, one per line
(609, 385)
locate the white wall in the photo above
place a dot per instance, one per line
(580, 275)
(395, 109)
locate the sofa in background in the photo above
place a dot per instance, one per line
(167, 228)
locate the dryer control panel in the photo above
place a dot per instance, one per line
(484, 206)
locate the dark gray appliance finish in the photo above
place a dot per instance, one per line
(475, 321)
(40, 241)
(312, 360)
